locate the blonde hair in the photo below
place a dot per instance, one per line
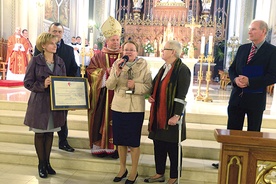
(43, 39)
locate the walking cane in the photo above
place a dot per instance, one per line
(179, 122)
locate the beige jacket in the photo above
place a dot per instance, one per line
(135, 102)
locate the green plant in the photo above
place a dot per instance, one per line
(219, 51)
(148, 48)
(185, 49)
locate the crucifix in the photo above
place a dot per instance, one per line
(192, 25)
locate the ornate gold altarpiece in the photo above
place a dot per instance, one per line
(169, 19)
(246, 157)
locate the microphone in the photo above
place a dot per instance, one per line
(125, 58)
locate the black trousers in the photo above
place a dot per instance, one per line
(236, 117)
(161, 149)
(63, 133)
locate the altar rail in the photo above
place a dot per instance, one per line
(3, 54)
(246, 157)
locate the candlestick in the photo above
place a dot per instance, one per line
(207, 98)
(202, 46)
(210, 50)
(201, 59)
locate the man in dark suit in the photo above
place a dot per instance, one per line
(66, 52)
(250, 73)
(252, 70)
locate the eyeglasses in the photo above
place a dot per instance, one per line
(166, 49)
(129, 50)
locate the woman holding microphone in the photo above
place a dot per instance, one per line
(130, 78)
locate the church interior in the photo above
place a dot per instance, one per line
(210, 32)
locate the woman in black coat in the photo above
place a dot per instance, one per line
(170, 87)
(39, 116)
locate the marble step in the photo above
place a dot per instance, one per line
(193, 170)
(192, 148)
(17, 110)
(79, 122)
(199, 126)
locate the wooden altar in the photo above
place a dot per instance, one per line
(246, 157)
(166, 21)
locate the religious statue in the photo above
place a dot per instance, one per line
(169, 33)
(206, 4)
(137, 4)
(191, 50)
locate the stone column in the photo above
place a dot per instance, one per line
(103, 8)
(240, 17)
(245, 17)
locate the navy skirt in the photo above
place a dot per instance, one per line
(127, 128)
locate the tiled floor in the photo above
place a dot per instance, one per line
(22, 174)
(19, 174)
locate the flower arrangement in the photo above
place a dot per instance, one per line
(148, 48)
(185, 49)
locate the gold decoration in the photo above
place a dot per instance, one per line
(170, 4)
(193, 25)
(163, 21)
(209, 59)
(201, 59)
(199, 96)
(111, 27)
(266, 172)
(234, 161)
(154, 26)
(233, 44)
(83, 55)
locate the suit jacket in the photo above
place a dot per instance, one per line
(265, 58)
(66, 53)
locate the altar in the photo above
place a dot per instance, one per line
(157, 62)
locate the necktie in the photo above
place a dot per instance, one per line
(252, 53)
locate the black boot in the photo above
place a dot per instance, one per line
(50, 169)
(42, 171)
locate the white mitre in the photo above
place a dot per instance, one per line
(111, 27)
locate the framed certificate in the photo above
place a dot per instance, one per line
(69, 93)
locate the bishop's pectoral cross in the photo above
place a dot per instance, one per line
(192, 25)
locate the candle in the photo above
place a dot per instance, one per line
(91, 39)
(210, 44)
(83, 40)
(202, 46)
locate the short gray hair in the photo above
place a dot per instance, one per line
(175, 45)
(263, 25)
